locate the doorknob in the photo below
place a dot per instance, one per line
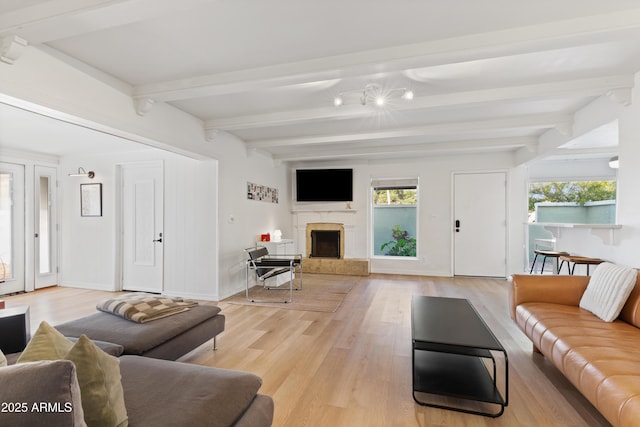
(159, 239)
(457, 225)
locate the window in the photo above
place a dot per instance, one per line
(575, 202)
(395, 205)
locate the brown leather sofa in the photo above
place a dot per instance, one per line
(601, 359)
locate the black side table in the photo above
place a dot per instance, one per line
(14, 329)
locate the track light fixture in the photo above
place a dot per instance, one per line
(374, 94)
(82, 172)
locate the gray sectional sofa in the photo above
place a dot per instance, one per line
(157, 392)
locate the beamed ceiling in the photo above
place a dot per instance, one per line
(487, 76)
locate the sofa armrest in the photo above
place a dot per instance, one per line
(555, 289)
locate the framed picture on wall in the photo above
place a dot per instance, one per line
(90, 199)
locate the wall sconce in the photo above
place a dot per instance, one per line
(614, 163)
(82, 172)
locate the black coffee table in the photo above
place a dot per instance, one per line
(455, 358)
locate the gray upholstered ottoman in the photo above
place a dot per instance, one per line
(167, 338)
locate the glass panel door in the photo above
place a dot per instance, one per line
(45, 227)
(11, 228)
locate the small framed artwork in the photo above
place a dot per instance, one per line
(90, 199)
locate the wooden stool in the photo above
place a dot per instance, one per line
(546, 254)
(575, 259)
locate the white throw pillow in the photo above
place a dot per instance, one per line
(608, 290)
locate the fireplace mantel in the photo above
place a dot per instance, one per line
(323, 210)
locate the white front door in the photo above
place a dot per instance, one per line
(45, 227)
(480, 224)
(12, 231)
(142, 225)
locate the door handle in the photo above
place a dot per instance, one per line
(159, 239)
(457, 225)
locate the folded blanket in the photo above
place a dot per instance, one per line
(142, 307)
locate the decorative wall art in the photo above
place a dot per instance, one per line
(90, 199)
(262, 193)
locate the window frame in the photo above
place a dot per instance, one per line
(396, 184)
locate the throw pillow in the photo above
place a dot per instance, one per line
(98, 373)
(100, 384)
(44, 393)
(46, 344)
(608, 290)
(3, 360)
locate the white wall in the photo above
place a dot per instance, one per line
(435, 217)
(89, 252)
(242, 220)
(203, 193)
(616, 245)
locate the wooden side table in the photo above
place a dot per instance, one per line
(14, 329)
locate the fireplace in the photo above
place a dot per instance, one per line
(325, 244)
(325, 240)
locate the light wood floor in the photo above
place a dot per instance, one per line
(353, 367)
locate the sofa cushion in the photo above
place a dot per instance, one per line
(631, 311)
(44, 393)
(164, 393)
(108, 347)
(3, 360)
(608, 290)
(98, 373)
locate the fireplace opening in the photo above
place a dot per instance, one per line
(325, 244)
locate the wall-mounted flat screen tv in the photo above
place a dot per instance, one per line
(324, 185)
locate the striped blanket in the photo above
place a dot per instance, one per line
(142, 307)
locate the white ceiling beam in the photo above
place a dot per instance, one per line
(410, 150)
(554, 35)
(570, 88)
(57, 19)
(539, 121)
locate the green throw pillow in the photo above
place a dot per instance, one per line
(100, 384)
(46, 344)
(98, 374)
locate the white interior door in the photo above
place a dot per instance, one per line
(45, 227)
(480, 224)
(142, 225)
(12, 261)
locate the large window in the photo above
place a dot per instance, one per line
(395, 205)
(575, 202)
